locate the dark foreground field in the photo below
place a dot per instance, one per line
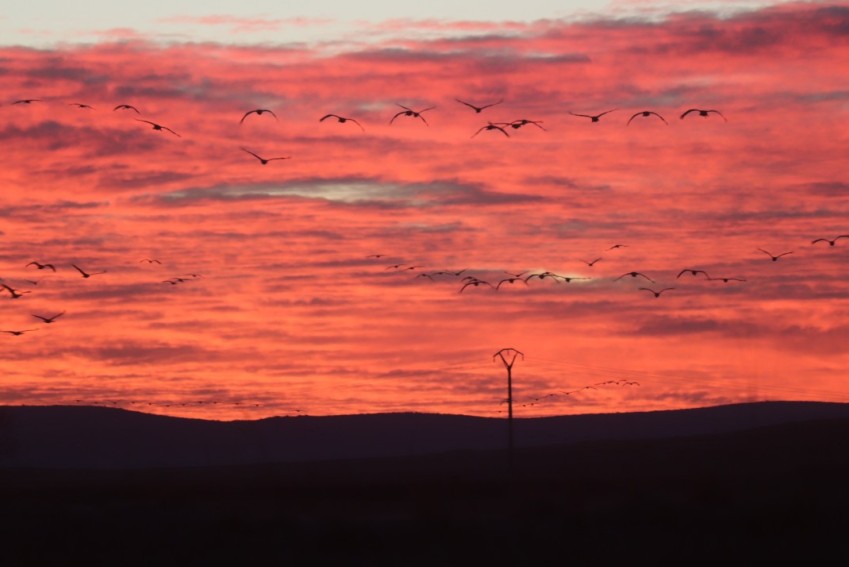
(767, 494)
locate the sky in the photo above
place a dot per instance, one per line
(336, 280)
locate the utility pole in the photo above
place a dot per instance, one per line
(509, 367)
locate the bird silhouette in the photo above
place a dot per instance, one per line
(49, 319)
(27, 101)
(85, 274)
(658, 292)
(543, 275)
(634, 275)
(258, 112)
(516, 124)
(830, 242)
(127, 107)
(615, 246)
(449, 273)
(41, 266)
(413, 113)
(593, 117)
(727, 279)
(510, 280)
(81, 105)
(13, 292)
(159, 127)
(150, 261)
(774, 257)
(692, 272)
(491, 126)
(21, 332)
(262, 160)
(341, 120)
(702, 113)
(592, 262)
(478, 109)
(475, 283)
(647, 113)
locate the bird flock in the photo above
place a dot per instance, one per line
(501, 127)
(466, 280)
(498, 279)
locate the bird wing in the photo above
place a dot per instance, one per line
(686, 112)
(467, 104)
(632, 117)
(250, 152)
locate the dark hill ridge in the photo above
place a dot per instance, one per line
(108, 438)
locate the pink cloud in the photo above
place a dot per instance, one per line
(291, 305)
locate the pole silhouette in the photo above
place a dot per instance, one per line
(509, 367)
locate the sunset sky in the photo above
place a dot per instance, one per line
(330, 282)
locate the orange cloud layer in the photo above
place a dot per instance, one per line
(332, 281)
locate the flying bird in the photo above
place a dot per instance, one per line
(341, 120)
(258, 112)
(150, 261)
(41, 266)
(491, 126)
(617, 246)
(543, 275)
(658, 292)
(159, 127)
(775, 257)
(478, 109)
(516, 124)
(692, 272)
(27, 100)
(702, 113)
(830, 242)
(264, 161)
(81, 105)
(49, 319)
(13, 292)
(411, 112)
(449, 273)
(728, 279)
(592, 262)
(18, 333)
(634, 275)
(475, 282)
(647, 113)
(510, 280)
(126, 107)
(593, 117)
(86, 274)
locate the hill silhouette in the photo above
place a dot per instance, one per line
(100, 437)
(748, 483)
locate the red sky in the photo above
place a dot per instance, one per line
(289, 313)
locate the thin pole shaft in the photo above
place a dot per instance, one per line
(510, 417)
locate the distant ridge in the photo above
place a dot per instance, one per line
(80, 437)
